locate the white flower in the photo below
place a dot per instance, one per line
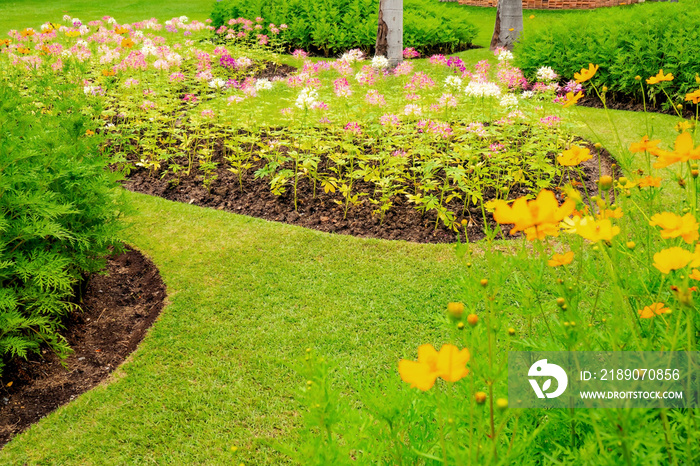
(183, 19)
(168, 23)
(412, 109)
(138, 34)
(307, 98)
(380, 62)
(111, 21)
(81, 43)
(527, 94)
(217, 83)
(482, 89)
(453, 81)
(66, 53)
(353, 56)
(263, 84)
(546, 74)
(45, 27)
(66, 18)
(509, 100)
(505, 55)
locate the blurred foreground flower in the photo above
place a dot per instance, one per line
(450, 364)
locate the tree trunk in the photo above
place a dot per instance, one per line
(390, 31)
(509, 24)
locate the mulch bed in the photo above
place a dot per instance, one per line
(402, 222)
(118, 309)
(271, 70)
(630, 104)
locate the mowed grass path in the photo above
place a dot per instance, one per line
(247, 297)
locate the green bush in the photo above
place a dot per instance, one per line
(59, 212)
(332, 27)
(626, 42)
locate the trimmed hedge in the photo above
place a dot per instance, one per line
(333, 27)
(58, 216)
(631, 41)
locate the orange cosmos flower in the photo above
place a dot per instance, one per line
(450, 364)
(674, 226)
(676, 258)
(574, 156)
(660, 78)
(645, 145)
(682, 152)
(693, 97)
(596, 230)
(586, 74)
(572, 98)
(652, 310)
(120, 30)
(127, 43)
(561, 259)
(538, 218)
(694, 274)
(27, 32)
(609, 213)
(650, 181)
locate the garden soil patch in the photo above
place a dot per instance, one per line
(631, 105)
(402, 222)
(117, 310)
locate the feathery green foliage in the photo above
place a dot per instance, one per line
(58, 213)
(626, 42)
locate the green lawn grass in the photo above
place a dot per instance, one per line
(246, 298)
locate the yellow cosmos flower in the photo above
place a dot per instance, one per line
(652, 310)
(676, 258)
(73, 33)
(650, 181)
(660, 78)
(693, 97)
(561, 259)
(450, 364)
(538, 218)
(683, 151)
(572, 98)
(597, 230)
(674, 226)
(645, 145)
(610, 213)
(694, 274)
(586, 74)
(574, 156)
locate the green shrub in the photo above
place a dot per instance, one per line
(58, 222)
(626, 42)
(332, 27)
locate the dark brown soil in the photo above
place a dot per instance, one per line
(630, 104)
(273, 70)
(118, 309)
(402, 222)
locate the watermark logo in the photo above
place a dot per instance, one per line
(542, 368)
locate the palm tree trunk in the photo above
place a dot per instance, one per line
(390, 31)
(509, 24)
